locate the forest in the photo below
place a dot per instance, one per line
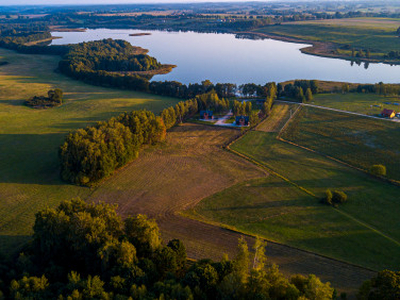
(86, 251)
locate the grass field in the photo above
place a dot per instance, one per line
(376, 34)
(359, 141)
(365, 231)
(280, 114)
(357, 102)
(29, 138)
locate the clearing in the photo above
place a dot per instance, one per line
(29, 138)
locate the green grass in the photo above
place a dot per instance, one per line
(357, 102)
(359, 141)
(376, 34)
(29, 138)
(365, 231)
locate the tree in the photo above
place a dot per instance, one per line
(384, 286)
(309, 95)
(339, 197)
(398, 31)
(328, 197)
(378, 170)
(144, 234)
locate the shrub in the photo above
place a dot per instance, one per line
(339, 197)
(378, 170)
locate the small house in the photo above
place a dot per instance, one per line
(206, 115)
(242, 121)
(388, 113)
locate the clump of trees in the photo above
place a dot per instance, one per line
(54, 98)
(385, 285)
(86, 251)
(91, 154)
(301, 90)
(334, 198)
(378, 170)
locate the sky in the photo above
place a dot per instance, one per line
(83, 2)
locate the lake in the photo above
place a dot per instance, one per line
(224, 58)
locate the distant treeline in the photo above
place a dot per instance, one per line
(91, 154)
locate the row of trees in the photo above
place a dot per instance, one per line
(301, 90)
(86, 251)
(91, 154)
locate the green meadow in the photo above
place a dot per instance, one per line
(377, 34)
(357, 140)
(30, 138)
(368, 104)
(364, 231)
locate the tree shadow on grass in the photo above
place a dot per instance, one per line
(30, 158)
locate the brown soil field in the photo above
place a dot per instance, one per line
(191, 166)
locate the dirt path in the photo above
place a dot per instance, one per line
(221, 121)
(191, 166)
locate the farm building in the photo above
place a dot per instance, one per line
(388, 113)
(242, 121)
(206, 115)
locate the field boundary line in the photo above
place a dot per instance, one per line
(313, 195)
(369, 227)
(388, 180)
(201, 219)
(289, 121)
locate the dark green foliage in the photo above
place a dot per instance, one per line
(88, 252)
(378, 170)
(54, 98)
(91, 154)
(298, 89)
(384, 286)
(339, 197)
(143, 234)
(334, 198)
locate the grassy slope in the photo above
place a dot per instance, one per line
(280, 113)
(359, 141)
(356, 102)
(273, 209)
(29, 138)
(377, 34)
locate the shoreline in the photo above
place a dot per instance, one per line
(321, 49)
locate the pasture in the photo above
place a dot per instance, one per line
(376, 34)
(279, 211)
(280, 114)
(359, 141)
(368, 104)
(29, 138)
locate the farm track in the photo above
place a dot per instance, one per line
(191, 166)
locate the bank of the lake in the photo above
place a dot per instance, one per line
(225, 58)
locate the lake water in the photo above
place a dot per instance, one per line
(224, 58)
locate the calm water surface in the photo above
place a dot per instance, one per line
(224, 58)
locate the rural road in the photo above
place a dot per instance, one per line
(221, 121)
(341, 111)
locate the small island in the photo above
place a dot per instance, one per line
(140, 34)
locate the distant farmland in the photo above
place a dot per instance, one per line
(280, 211)
(359, 141)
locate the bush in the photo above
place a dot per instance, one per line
(334, 198)
(378, 170)
(339, 197)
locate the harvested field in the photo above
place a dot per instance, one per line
(280, 114)
(190, 167)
